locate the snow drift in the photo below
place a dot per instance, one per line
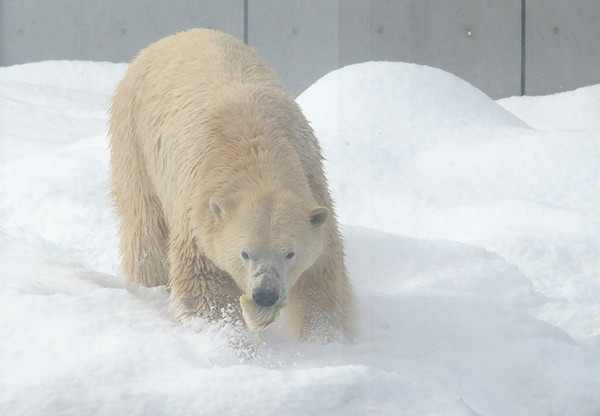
(472, 239)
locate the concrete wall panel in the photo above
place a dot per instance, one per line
(478, 41)
(109, 30)
(299, 39)
(562, 45)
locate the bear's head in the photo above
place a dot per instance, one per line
(266, 241)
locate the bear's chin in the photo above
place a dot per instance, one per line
(258, 317)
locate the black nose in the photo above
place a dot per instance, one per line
(265, 297)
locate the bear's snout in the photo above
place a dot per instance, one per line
(266, 287)
(265, 297)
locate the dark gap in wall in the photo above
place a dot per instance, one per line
(246, 22)
(523, 35)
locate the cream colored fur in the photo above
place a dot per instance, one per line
(210, 151)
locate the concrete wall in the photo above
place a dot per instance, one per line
(482, 42)
(562, 45)
(110, 30)
(299, 39)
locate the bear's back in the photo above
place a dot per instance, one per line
(189, 101)
(202, 60)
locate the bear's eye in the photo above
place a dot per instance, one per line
(290, 255)
(245, 255)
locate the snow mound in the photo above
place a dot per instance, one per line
(78, 76)
(433, 154)
(454, 165)
(412, 95)
(576, 109)
(60, 104)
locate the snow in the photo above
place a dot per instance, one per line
(570, 110)
(472, 238)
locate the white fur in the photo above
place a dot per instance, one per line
(210, 154)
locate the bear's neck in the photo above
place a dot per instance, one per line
(255, 140)
(269, 163)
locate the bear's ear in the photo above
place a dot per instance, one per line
(318, 215)
(219, 207)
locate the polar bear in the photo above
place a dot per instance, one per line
(218, 181)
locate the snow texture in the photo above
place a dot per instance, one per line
(472, 237)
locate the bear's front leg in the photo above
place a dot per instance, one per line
(198, 288)
(320, 306)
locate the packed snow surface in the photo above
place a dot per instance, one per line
(472, 234)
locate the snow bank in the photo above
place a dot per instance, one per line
(472, 240)
(462, 168)
(569, 110)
